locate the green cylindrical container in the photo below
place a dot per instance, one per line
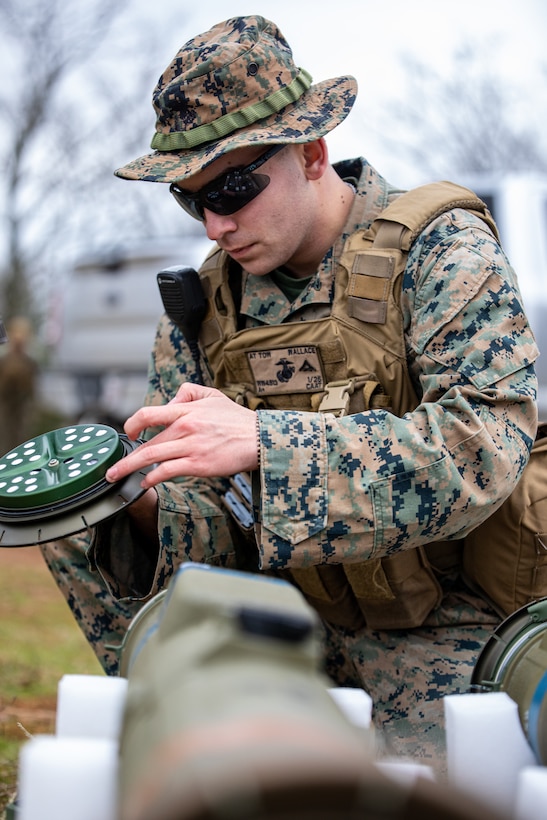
(514, 660)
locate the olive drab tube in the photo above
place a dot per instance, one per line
(228, 715)
(226, 704)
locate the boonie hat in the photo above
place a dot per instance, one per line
(235, 85)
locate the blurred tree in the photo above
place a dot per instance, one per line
(41, 41)
(71, 104)
(470, 120)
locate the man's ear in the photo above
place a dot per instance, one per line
(316, 158)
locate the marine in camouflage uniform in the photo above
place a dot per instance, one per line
(323, 481)
(18, 386)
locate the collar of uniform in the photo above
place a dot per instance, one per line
(372, 196)
(264, 303)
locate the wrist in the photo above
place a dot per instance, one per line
(258, 441)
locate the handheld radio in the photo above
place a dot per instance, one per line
(184, 302)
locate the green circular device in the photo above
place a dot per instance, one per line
(53, 485)
(514, 660)
(57, 465)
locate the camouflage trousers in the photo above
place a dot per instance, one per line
(102, 618)
(406, 672)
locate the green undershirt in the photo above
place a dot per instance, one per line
(289, 285)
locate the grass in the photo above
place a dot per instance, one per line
(39, 643)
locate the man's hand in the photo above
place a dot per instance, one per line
(205, 434)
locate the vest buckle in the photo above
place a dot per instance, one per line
(337, 397)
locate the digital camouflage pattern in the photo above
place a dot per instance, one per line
(407, 672)
(235, 85)
(326, 494)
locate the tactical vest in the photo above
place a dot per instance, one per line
(352, 360)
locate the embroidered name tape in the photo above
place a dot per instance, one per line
(286, 370)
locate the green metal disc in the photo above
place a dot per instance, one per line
(58, 465)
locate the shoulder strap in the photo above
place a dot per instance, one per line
(399, 225)
(376, 258)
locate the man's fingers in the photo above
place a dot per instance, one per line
(144, 455)
(193, 392)
(160, 415)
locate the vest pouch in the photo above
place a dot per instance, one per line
(388, 593)
(445, 557)
(326, 588)
(412, 584)
(516, 534)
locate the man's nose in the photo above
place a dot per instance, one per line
(216, 225)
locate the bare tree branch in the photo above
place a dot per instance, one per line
(72, 103)
(468, 122)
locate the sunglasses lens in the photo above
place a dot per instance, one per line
(187, 202)
(237, 191)
(228, 193)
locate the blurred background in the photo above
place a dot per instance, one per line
(447, 90)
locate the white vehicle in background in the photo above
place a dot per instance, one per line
(108, 317)
(518, 203)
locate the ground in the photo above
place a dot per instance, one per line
(39, 643)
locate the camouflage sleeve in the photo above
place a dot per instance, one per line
(171, 364)
(345, 489)
(193, 524)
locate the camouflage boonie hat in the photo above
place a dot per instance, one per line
(235, 85)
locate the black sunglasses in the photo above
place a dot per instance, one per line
(228, 192)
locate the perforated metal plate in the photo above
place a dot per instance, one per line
(53, 485)
(57, 465)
